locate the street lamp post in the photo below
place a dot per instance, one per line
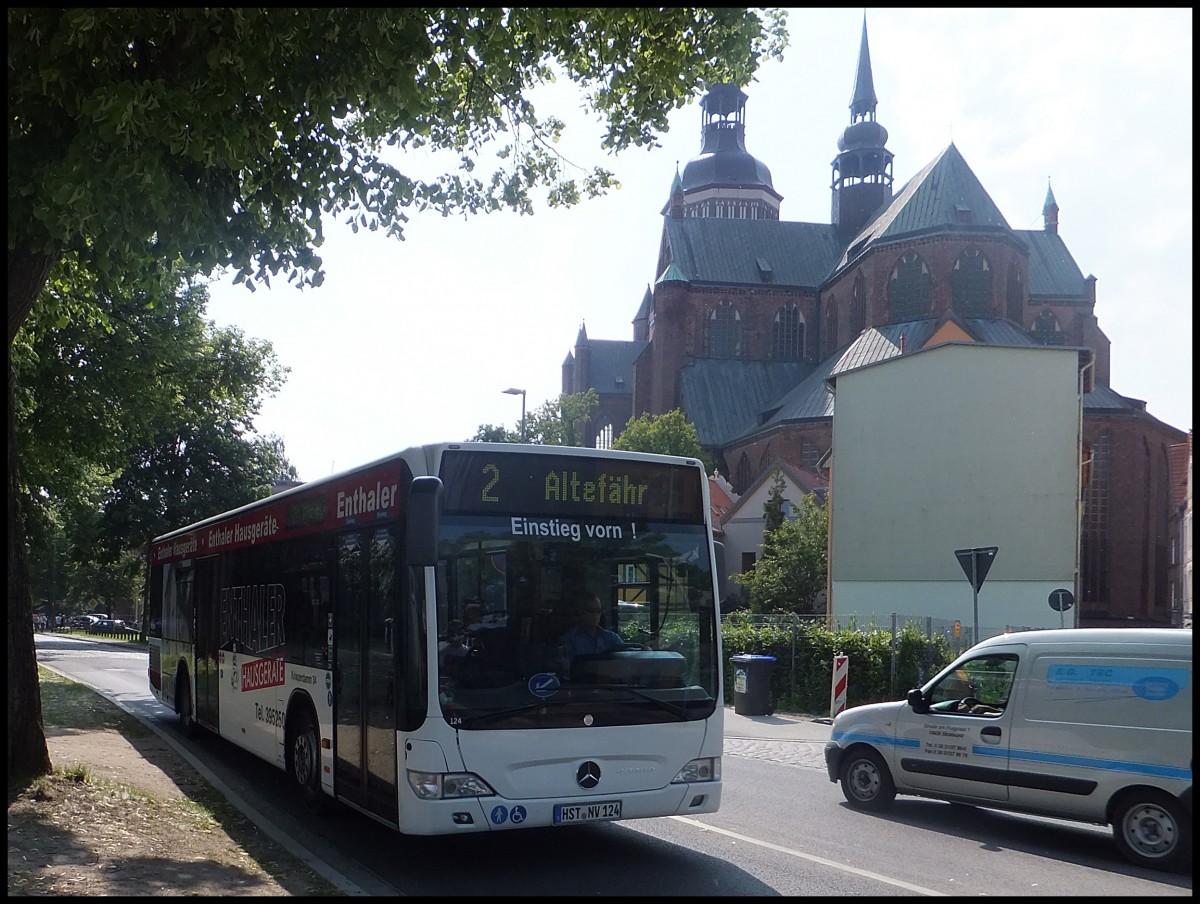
(512, 390)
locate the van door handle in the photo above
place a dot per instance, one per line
(991, 734)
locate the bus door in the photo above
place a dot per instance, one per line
(364, 671)
(208, 641)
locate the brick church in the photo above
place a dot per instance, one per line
(750, 313)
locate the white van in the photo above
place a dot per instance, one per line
(1091, 724)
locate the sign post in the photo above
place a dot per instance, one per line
(976, 562)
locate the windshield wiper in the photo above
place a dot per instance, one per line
(666, 705)
(561, 700)
(513, 711)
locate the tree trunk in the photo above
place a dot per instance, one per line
(27, 753)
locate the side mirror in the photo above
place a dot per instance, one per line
(722, 578)
(917, 701)
(424, 507)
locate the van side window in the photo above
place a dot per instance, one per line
(978, 687)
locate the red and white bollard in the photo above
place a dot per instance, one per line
(841, 673)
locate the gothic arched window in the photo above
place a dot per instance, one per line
(604, 437)
(858, 307)
(787, 334)
(741, 475)
(909, 289)
(1094, 544)
(1014, 308)
(971, 284)
(1046, 330)
(810, 456)
(831, 325)
(724, 336)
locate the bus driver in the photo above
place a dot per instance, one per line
(587, 635)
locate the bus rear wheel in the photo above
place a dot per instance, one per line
(304, 760)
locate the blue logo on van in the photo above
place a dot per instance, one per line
(1161, 684)
(1156, 688)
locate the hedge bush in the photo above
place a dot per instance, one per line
(802, 674)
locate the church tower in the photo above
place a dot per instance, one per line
(862, 170)
(725, 180)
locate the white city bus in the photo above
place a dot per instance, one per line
(307, 628)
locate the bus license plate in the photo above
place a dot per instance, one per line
(567, 814)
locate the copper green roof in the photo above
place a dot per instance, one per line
(724, 397)
(610, 364)
(945, 196)
(716, 251)
(1053, 273)
(1050, 203)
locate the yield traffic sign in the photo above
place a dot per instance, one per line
(976, 563)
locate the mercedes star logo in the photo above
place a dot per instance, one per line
(588, 776)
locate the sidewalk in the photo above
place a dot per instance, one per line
(776, 727)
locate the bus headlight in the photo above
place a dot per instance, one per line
(447, 785)
(707, 769)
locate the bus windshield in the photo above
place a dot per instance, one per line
(518, 647)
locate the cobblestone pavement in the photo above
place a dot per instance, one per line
(806, 754)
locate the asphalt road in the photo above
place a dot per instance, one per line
(783, 828)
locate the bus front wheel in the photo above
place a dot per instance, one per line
(304, 759)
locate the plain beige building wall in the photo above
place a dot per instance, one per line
(957, 446)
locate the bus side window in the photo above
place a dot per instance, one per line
(306, 578)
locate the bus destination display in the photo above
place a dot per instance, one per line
(477, 483)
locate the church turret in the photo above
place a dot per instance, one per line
(641, 320)
(675, 204)
(1050, 211)
(725, 180)
(862, 170)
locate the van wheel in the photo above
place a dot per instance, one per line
(1151, 829)
(183, 705)
(304, 760)
(866, 782)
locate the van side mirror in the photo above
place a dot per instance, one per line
(917, 701)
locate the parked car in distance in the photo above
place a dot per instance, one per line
(1088, 724)
(82, 621)
(111, 626)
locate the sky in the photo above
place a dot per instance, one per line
(414, 341)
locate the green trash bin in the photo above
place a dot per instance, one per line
(752, 684)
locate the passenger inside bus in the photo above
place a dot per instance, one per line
(473, 621)
(453, 650)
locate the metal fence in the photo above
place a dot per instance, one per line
(802, 677)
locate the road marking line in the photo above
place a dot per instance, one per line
(867, 874)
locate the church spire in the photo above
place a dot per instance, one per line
(862, 170)
(864, 101)
(674, 205)
(1050, 211)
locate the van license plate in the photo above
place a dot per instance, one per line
(568, 814)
